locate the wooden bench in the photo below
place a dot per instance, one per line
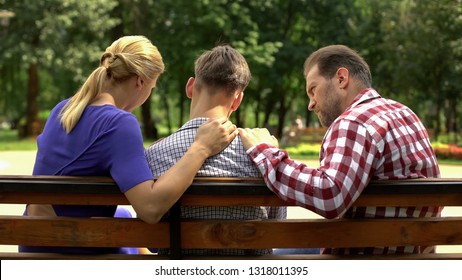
(177, 233)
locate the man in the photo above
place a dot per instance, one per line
(221, 75)
(368, 138)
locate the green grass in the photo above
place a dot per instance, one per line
(9, 141)
(310, 150)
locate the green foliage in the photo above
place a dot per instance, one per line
(423, 66)
(413, 47)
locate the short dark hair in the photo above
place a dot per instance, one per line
(329, 59)
(223, 67)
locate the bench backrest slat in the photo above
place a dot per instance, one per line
(219, 192)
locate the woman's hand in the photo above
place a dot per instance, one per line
(251, 137)
(215, 135)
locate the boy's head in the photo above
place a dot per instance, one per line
(221, 69)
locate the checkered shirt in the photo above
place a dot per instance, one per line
(374, 139)
(231, 162)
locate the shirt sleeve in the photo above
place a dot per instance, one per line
(129, 166)
(346, 155)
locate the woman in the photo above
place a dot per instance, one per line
(94, 134)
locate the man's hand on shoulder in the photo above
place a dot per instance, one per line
(254, 136)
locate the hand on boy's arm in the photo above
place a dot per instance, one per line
(254, 136)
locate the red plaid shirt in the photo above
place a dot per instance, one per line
(374, 139)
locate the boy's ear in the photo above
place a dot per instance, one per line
(190, 87)
(237, 101)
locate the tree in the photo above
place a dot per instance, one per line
(53, 33)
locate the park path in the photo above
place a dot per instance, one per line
(22, 163)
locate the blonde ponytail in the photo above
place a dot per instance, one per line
(71, 112)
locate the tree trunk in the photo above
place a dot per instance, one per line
(453, 127)
(32, 127)
(149, 128)
(438, 122)
(268, 109)
(181, 101)
(283, 108)
(164, 101)
(237, 116)
(257, 111)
